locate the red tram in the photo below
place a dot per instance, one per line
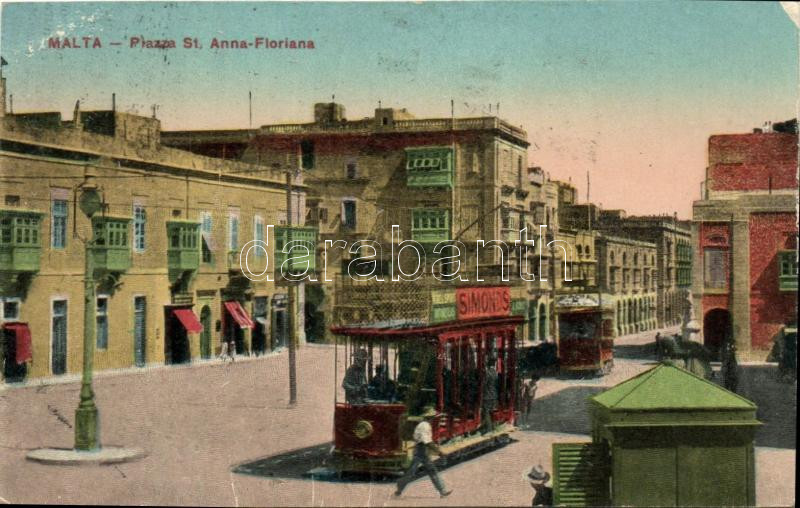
(586, 340)
(447, 366)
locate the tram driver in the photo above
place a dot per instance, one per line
(355, 379)
(381, 387)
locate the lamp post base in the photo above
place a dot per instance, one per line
(86, 429)
(102, 456)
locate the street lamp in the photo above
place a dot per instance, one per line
(86, 417)
(87, 448)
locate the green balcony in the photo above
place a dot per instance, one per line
(112, 248)
(429, 167)
(20, 241)
(183, 248)
(308, 237)
(430, 225)
(787, 270)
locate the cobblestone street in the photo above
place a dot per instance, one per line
(198, 423)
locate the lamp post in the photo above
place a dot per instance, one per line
(86, 416)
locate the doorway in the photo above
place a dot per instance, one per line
(13, 372)
(280, 328)
(259, 336)
(58, 353)
(716, 330)
(205, 335)
(140, 331)
(176, 339)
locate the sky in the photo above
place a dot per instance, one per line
(628, 92)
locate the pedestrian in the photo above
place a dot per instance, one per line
(659, 347)
(223, 350)
(528, 394)
(423, 440)
(489, 396)
(540, 481)
(232, 349)
(730, 367)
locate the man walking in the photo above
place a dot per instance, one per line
(423, 439)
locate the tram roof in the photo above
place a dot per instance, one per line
(394, 329)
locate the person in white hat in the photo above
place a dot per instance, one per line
(540, 479)
(423, 439)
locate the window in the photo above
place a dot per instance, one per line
(506, 220)
(139, 222)
(349, 214)
(233, 229)
(519, 171)
(10, 309)
(715, 266)
(12, 200)
(307, 154)
(476, 162)
(258, 234)
(787, 270)
(101, 330)
(351, 171)
(205, 230)
(58, 236)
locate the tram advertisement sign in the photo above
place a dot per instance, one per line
(578, 301)
(483, 302)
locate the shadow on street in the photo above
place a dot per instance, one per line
(777, 405)
(312, 463)
(635, 351)
(565, 411)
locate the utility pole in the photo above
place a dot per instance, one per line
(553, 315)
(291, 288)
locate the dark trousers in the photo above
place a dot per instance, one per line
(421, 459)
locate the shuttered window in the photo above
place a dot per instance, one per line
(715, 266)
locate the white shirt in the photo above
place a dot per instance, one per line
(423, 433)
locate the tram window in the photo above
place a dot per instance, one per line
(370, 374)
(578, 328)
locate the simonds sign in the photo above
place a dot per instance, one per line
(483, 302)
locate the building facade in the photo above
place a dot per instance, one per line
(744, 237)
(628, 281)
(462, 179)
(165, 246)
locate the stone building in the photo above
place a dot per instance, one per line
(464, 179)
(628, 280)
(166, 252)
(744, 237)
(671, 237)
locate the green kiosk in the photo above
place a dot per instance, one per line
(663, 438)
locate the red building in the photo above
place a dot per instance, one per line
(744, 233)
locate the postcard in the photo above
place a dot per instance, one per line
(457, 253)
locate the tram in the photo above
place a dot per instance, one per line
(393, 373)
(586, 340)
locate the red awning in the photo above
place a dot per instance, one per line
(188, 320)
(239, 314)
(22, 334)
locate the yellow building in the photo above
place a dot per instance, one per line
(166, 251)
